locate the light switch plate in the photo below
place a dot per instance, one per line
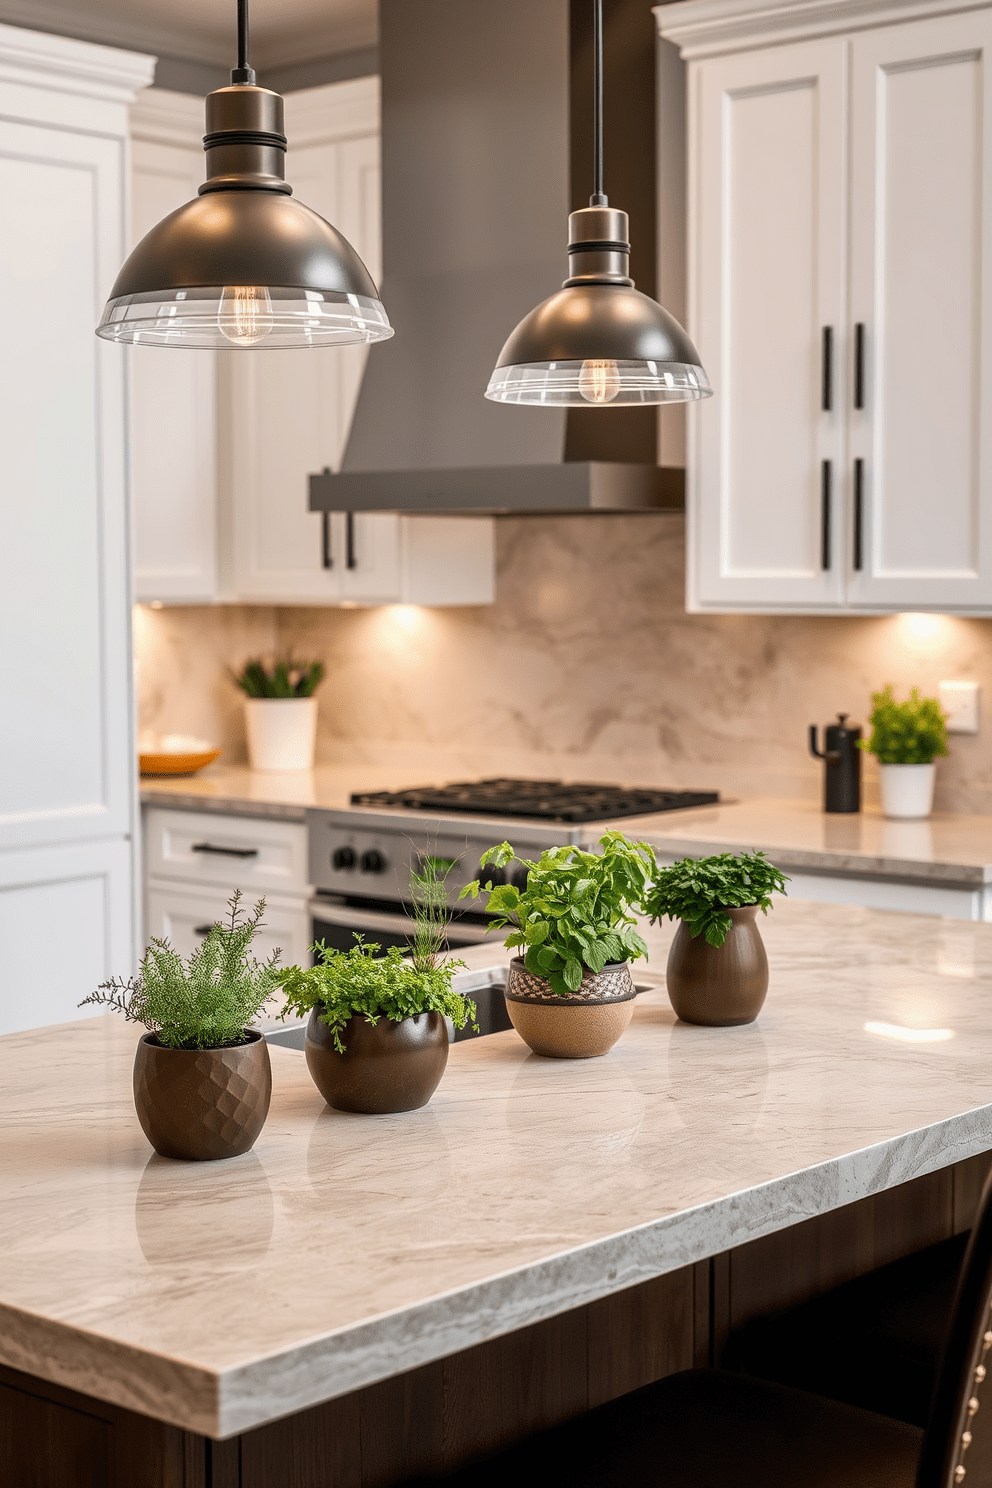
(959, 701)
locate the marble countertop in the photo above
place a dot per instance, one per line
(797, 834)
(344, 1249)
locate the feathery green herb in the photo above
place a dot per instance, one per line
(285, 679)
(909, 733)
(206, 1002)
(576, 910)
(701, 890)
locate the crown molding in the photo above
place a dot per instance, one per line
(333, 112)
(41, 60)
(707, 28)
(124, 30)
(159, 117)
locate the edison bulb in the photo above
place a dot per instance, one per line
(599, 381)
(245, 314)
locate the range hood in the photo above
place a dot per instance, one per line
(479, 174)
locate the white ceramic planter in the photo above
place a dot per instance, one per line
(907, 790)
(282, 733)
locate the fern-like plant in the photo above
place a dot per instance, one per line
(207, 1001)
(699, 891)
(576, 910)
(910, 733)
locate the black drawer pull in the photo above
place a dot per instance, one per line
(225, 852)
(326, 556)
(825, 494)
(202, 930)
(859, 512)
(859, 365)
(827, 389)
(352, 556)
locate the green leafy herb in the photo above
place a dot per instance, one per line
(364, 982)
(701, 890)
(284, 679)
(909, 733)
(575, 912)
(206, 1002)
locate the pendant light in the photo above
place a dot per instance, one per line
(244, 264)
(598, 342)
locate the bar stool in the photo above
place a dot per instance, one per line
(713, 1429)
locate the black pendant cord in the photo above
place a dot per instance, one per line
(243, 73)
(598, 198)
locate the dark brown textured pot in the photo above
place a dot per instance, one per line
(202, 1104)
(385, 1067)
(720, 986)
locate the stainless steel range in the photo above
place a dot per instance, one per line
(360, 858)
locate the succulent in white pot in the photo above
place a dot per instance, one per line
(281, 713)
(906, 739)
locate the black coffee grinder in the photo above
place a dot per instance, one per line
(842, 776)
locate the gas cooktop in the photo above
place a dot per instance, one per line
(542, 800)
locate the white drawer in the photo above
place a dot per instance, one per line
(254, 854)
(183, 917)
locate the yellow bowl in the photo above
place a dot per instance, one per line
(176, 764)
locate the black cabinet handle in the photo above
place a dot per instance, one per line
(826, 481)
(827, 388)
(225, 852)
(859, 512)
(352, 557)
(859, 365)
(326, 556)
(202, 930)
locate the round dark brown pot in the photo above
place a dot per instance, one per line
(202, 1104)
(581, 1026)
(719, 986)
(385, 1066)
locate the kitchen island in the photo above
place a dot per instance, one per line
(362, 1296)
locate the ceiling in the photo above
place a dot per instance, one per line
(283, 31)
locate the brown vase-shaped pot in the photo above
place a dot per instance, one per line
(719, 985)
(202, 1104)
(385, 1066)
(583, 1025)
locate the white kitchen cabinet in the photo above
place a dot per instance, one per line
(839, 255)
(184, 916)
(289, 414)
(67, 796)
(173, 394)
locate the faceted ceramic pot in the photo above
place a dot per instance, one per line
(202, 1104)
(720, 986)
(385, 1066)
(581, 1026)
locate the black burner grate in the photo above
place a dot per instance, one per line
(542, 800)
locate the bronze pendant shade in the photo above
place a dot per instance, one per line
(244, 264)
(598, 341)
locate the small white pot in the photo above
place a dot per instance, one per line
(907, 790)
(282, 732)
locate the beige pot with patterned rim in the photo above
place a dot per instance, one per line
(584, 1024)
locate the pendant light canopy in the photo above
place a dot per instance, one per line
(598, 341)
(244, 264)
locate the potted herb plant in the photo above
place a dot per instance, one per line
(202, 1079)
(906, 738)
(377, 1039)
(281, 713)
(717, 968)
(570, 995)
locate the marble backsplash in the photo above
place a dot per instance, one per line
(587, 667)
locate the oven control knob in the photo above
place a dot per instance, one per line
(492, 875)
(373, 861)
(519, 879)
(343, 857)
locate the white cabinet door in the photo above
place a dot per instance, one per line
(174, 393)
(66, 746)
(920, 285)
(766, 253)
(183, 917)
(65, 927)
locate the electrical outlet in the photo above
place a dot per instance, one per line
(959, 701)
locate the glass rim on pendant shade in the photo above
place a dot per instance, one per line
(195, 319)
(569, 384)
